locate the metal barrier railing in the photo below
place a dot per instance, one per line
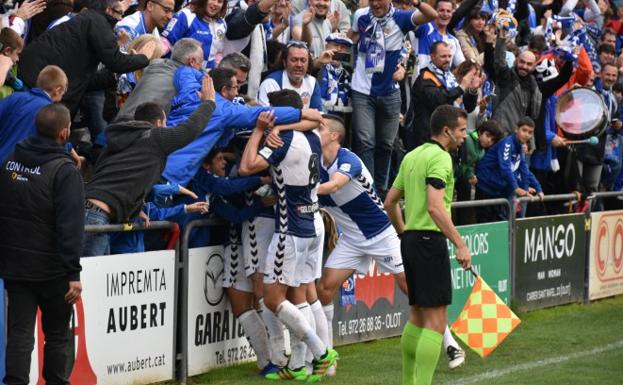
(183, 260)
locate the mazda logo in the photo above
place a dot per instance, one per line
(213, 277)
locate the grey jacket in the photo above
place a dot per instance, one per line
(516, 96)
(156, 85)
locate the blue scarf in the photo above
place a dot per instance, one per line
(375, 41)
(335, 85)
(446, 77)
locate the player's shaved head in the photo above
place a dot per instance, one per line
(335, 124)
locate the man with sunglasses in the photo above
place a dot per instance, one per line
(295, 77)
(155, 16)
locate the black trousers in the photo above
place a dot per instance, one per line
(23, 299)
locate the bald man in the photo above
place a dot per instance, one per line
(518, 93)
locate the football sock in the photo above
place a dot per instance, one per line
(408, 344)
(276, 341)
(294, 319)
(328, 313)
(448, 339)
(427, 354)
(322, 327)
(255, 331)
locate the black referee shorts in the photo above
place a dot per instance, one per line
(427, 268)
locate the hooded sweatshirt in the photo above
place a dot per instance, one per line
(41, 213)
(135, 158)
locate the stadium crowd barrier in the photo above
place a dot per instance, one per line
(144, 315)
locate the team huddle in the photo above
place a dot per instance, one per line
(283, 281)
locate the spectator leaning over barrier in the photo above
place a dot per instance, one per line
(132, 163)
(426, 182)
(78, 46)
(518, 93)
(42, 225)
(380, 30)
(18, 111)
(156, 83)
(503, 172)
(437, 86)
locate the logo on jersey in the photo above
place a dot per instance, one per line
(170, 27)
(266, 152)
(306, 98)
(308, 209)
(345, 167)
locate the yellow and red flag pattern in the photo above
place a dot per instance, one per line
(485, 320)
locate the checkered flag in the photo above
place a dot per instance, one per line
(485, 320)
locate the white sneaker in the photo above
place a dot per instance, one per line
(456, 357)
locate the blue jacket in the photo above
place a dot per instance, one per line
(217, 191)
(228, 117)
(504, 168)
(17, 117)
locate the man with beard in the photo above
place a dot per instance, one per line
(517, 89)
(437, 30)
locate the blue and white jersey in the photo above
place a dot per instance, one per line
(356, 207)
(134, 26)
(381, 83)
(426, 35)
(278, 80)
(295, 171)
(211, 35)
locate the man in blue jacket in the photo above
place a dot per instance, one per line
(184, 163)
(17, 112)
(503, 171)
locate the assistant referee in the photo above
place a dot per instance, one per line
(426, 181)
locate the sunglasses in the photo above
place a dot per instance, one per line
(297, 44)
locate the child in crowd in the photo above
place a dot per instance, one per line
(476, 143)
(503, 171)
(11, 45)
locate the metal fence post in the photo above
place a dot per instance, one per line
(183, 314)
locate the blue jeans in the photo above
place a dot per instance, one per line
(95, 243)
(374, 128)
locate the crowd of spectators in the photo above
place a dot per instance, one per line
(505, 62)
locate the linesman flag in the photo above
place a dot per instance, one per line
(485, 320)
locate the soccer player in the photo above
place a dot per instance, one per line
(348, 194)
(292, 257)
(426, 181)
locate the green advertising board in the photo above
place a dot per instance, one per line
(379, 309)
(489, 246)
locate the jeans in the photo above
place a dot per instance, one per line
(375, 126)
(92, 107)
(95, 243)
(23, 299)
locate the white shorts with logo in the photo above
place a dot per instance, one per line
(256, 237)
(233, 266)
(384, 248)
(293, 261)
